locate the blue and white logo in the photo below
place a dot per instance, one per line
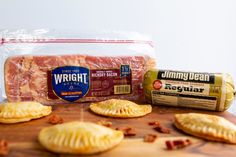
(70, 82)
(124, 70)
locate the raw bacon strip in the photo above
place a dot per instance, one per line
(26, 76)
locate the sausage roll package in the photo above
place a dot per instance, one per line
(51, 67)
(208, 91)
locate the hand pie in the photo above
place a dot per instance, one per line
(22, 111)
(120, 108)
(206, 126)
(79, 138)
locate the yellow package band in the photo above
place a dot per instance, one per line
(207, 91)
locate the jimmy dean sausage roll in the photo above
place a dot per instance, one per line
(189, 89)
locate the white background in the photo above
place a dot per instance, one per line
(193, 35)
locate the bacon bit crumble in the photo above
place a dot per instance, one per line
(162, 129)
(177, 144)
(105, 123)
(3, 147)
(158, 127)
(128, 131)
(55, 119)
(150, 138)
(155, 123)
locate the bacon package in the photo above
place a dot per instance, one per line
(49, 71)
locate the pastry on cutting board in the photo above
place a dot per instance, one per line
(79, 138)
(206, 126)
(14, 112)
(120, 108)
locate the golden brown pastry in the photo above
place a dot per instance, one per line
(206, 126)
(22, 111)
(79, 138)
(120, 108)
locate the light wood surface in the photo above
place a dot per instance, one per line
(22, 137)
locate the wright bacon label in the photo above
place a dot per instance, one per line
(71, 83)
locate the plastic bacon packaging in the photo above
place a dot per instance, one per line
(53, 68)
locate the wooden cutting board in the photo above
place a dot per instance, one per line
(22, 137)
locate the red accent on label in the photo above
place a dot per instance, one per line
(104, 41)
(103, 81)
(157, 84)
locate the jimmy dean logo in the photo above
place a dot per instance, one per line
(186, 76)
(63, 78)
